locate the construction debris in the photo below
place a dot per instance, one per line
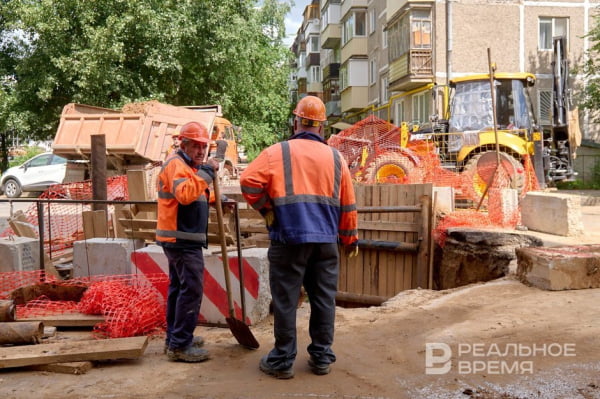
(76, 351)
(24, 333)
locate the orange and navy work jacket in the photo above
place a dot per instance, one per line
(183, 198)
(308, 186)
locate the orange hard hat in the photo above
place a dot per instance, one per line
(311, 107)
(194, 131)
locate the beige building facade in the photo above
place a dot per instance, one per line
(390, 55)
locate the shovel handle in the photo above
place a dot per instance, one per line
(219, 209)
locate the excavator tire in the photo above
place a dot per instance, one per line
(479, 170)
(389, 167)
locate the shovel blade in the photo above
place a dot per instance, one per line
(242, 333)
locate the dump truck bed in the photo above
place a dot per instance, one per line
(140, 133)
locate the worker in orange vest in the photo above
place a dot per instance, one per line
(183, 200)
(303, 189)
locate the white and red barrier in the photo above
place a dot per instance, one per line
(215, 308)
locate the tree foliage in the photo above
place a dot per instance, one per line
(112, 52)
(590, 95)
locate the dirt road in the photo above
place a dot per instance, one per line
(502, 340)
(381, 354)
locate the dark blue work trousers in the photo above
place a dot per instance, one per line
(290, 266)
(186, 276)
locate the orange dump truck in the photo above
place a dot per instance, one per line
(138, 134)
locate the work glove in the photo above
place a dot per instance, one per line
(352, 250)
(269, 217)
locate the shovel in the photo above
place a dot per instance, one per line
(240, 330)
(238, 233)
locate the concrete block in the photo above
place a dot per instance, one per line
(19, 254)
(214, 308)
(552, 213)
(560, 268)
(104, 256)
(503, 206)
(444, 199)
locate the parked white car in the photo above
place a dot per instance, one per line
(36, 174)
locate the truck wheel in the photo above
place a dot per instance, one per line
(390, 167)
(479, 170)
(12, 188)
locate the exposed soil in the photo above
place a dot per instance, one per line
(381, 352)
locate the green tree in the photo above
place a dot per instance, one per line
(590, 93)
(112, 52)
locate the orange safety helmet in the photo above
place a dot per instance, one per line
(311, 107)
(194, 131)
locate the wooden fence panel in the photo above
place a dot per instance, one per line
(379, 273)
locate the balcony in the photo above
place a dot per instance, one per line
(331, 37)
(314, 87)
(333, 107)
(354, 98)
(411, 70)
(331, 71)
(313, 59)
(356, 46)
(301, 86)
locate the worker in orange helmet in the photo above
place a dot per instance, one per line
(303, 189)
(183, 200)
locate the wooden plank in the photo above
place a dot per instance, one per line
(118, 230)
(75, 351)
(390, 226)
(138, 223)
(398, 275)
(250, 214)
(23, 229)
(94, 224)
(76, 368)
(386, 273)
(141, 234)
(136, 185)
(68, 320)
(425, 235)
(150, 208)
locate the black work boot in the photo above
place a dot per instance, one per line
(318, 368)
(197, 341)
(191, 354)
(282, 374)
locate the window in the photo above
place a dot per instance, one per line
(550, 27)
(324, 19)
(343, 77)
(384, 37)
(545, 107)
(313, 42)
(354, 26)
(420, 29)
(315, 74)
(384, 90)
(372, 72)
(420, 107)
(372, 22)
(301, 60)
(399, 112)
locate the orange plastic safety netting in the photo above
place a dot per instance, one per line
(130, 304)
(63, 224)
(379, 152)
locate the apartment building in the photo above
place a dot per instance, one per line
(387, 57)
